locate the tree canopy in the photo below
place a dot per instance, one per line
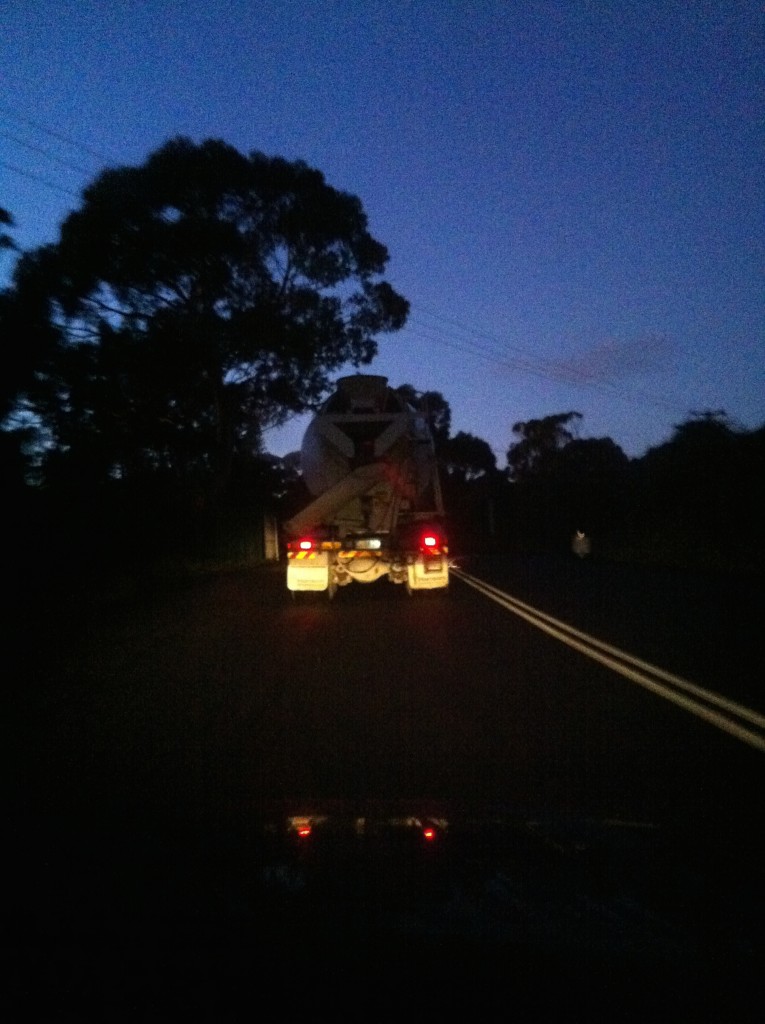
(540, 441)
(467, 457)
(435, 408)
(190, 302)
(6, 221)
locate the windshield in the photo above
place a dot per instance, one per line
(382, 449)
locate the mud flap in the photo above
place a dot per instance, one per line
(427, 573)
(309, 573)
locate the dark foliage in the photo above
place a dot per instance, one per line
(535, 453)
(189, 303)
(6, 221)
(696, 500)
(701, 495)
(467, 457)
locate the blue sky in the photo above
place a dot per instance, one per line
(571, 193)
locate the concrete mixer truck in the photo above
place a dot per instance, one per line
(368, 460)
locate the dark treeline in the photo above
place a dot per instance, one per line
(695, 501)
(195, 300)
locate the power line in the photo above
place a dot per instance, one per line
(39, 178)
(66, 139)
(529, 364)
(45, 152)
(8, 114)
(524, 360)
(526, 364)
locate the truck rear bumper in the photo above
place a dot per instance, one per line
(317, 571)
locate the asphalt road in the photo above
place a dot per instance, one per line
(149, 730)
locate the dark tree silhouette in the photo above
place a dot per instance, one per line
(439, 415)
(560, 483)
(6, 221)
(540, 441)
(190, 302)
(435, 407)
(471, 492)
(467, 457)
(700, 494)
(591, 482)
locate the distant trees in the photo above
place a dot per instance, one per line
(540, 441)
(467, 469)
(472, 490)
(439, 414)
(702, 493)
(561, 484)
(591, 478)
(188, 303)
(6, 221)
(698, 499)
(436, 410)
(467, 457)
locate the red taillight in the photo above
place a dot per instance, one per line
(429, 833)
(301, 826)
(429, 541)
(306, 544)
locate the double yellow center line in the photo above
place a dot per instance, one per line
(741, 722)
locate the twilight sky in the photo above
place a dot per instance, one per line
(572, 193)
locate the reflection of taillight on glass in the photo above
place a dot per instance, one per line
(301, 826)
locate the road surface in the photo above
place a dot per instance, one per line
(150, 730)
